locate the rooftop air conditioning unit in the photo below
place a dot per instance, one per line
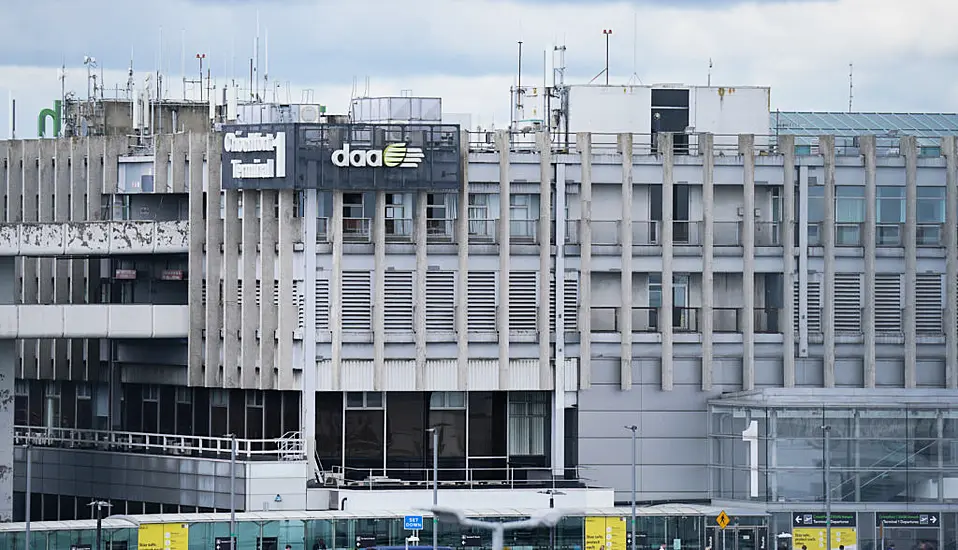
(310, 114)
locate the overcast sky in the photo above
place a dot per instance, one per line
(905, 54)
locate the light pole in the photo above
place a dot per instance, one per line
(451, 515)
(552, 504)
(607, 33)
(435, 483)
(828, 487)
(27, 449)
(232, 490)
(634, 429)
(99, 505)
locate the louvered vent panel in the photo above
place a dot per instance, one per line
(357, 301)
(441, 301)
(522, 300)
(814, 307)
(239, 292)
(481, 301)
(571, 300)
(203, 293)
(397, 314)
(928, 303)
(276, 293)
(848, 303)
(259, 293)
(300, 298)
(797, 303)
(322, 303)
(888, 302)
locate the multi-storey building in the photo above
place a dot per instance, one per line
(657, 258)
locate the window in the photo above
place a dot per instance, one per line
(680, 292)
(354, 224)
(440, 213)
(849, 214)
(447, 400)
(364, 400)
(398, 221)
(481, 224)
(931, 215)
(890, 209)
(523, 215)
(816, 214)
(528, 420)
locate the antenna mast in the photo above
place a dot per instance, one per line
(851, 87)
(709, 81)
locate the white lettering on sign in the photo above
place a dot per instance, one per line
(257, 143)
(394, 155)
(750, 436)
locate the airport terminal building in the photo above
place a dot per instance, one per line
(745, 288)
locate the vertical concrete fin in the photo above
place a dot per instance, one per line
(707, 152)
(625, 237)
(544, 145)
(288, 322)
(790, 225)
(826, 147)
(746, 149)
(949, 146)
(336, 292)
(268, 304)
(462, 276)
(867, 145)
(195, 281)
(503, 147)
(249, 309)
(666, 150)
(379, 290)
(420, 237)
(584, 147)
(909, 148)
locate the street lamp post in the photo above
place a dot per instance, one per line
(99, 505)
(828, 487)
(607, 33)
(634, 429)
(552, 504)
(232, 490)
(451, 515)
(435, 483)
(27, 450)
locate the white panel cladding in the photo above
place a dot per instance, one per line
(814, 322)
(324, 375)
(888, 303)
(928, 303)
(400, 374)
(524, 375)
(441, 375)
(398, 303)
(570, 308)
(572, 374)
(483, 374)
(357, 301)
(322, 300)
(523, 301)
(357, 375)
(441, 301)
(481, 301)
(848, 303)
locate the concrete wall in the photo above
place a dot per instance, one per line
(414, 499)
(94, 321)
(122, 476)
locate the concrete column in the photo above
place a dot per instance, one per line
(462, 276)
(232, 325)
(867, 144)
(78, 267)
(163, 144)
(197, 371)
(584, 147)
(30, 293)
(949, 146)
(249, 311)
(268, 310)
(178, 162)
(909, 148)
(419, 289)
(307, 418)
(802, 261)
(544, 144)
(505, 255)
(336, 290)
(746, 148)
(379, 291)
(288, 321)
(14, 178)
(826, 147)
(559, 376)
(625, 238)
(665, 148)
(62, 282)
(707, 152)
(789, 226)
(45, 294)
(92, 200)
(8, 363)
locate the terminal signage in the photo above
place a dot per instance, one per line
(349, 157)
(820, 519)
(810, 531)
(412, 523)
(907, 519)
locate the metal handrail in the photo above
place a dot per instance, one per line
(374, 478)
(290, 446)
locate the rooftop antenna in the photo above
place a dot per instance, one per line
(266, 65)
(635, 49)
(183, 60)
(13, 116)
(850, 87)
(256, 57)
(518, 102)
(558, 73)
(159, 68)
(709, 81)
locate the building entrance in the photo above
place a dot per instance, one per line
(736, 537)
(908, 530)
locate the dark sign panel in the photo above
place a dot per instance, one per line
(907, 519)
(820, 519)
(392, 157)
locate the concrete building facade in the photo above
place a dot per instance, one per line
(529, 294)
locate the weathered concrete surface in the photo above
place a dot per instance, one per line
(8, 359)
(94, 238)
(94, 321)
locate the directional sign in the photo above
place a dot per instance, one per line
(722, 520)
(224, 543)
(819, 519)
(412, 523)
(907, 519)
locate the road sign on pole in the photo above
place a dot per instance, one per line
(722, 520)
(412, 523)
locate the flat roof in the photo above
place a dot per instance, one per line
(305, 515)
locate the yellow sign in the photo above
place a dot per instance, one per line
(163, 536)
(722, 520)
(813, 538)
(605, 533)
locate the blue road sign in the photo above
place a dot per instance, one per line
(412, 523)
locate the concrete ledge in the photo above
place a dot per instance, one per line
(94, 321)
(94, 238)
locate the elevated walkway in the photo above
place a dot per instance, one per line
(94, 321)
(94, 238)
